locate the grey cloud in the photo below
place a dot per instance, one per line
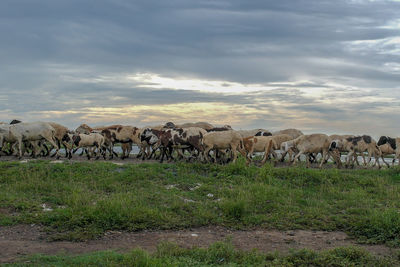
(294, 44)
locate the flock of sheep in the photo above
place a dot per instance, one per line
(192, 141)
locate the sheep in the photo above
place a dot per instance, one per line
(359, 144)
(192, 136)
(308, 144)
(203, 125)
(263, 133)
(386, 150)
(120, 134)
(114, 134)
(265, 144)
(248, 133)
(336, 152)
(60, 135)
(294, 133)
(168, 139)
(91, 142)
(162, 139)
(34, 131)
(392, 145)
(256, 144)
(219, 129)
(6, 137)
(222, 140)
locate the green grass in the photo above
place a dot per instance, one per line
(90, 198)
(218, 254)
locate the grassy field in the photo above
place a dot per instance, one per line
(83, 200)
(89, 198)
(219, 254)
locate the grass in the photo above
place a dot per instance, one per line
(218, 254)
(90, 198)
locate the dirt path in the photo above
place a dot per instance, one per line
(20, 240)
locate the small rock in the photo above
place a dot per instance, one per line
(118, 163)
(291, 233)
(196, 187)
(46, 208)
(194, 235)
(24, 161)
(170, 186)
(210, 195)
(119, 170)
(57, 161)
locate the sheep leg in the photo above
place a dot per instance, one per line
(274, 154)
(170, 151)
(363, 157)
(154, 148)
(20, 147)
(53, 143)
(14, 149)
(370, 153)
(163, 152)
(88, 153)
(283, 155)
(324, 155)
(215, 155)
(47, 150)
(383, 159)
(297, 157)
(98, 151)
(35, 149)
(336, 157)
(206, 156)
(234, 152)
(267, 152)
(142, 149)
(377, 161)
(349, 157)
(59, 145)
(308, 161)
(68, 153)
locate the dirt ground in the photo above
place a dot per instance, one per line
(20, 240)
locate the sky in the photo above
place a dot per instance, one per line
(326, 66)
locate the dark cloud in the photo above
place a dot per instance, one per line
(55, 55)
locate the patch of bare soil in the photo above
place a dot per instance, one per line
(20, 240)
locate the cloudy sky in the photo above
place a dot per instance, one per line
(330, 66)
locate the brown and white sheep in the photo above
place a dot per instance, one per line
(358, 144)
(267, 144)
(390, 145)
(309, 144)
(90, 142)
